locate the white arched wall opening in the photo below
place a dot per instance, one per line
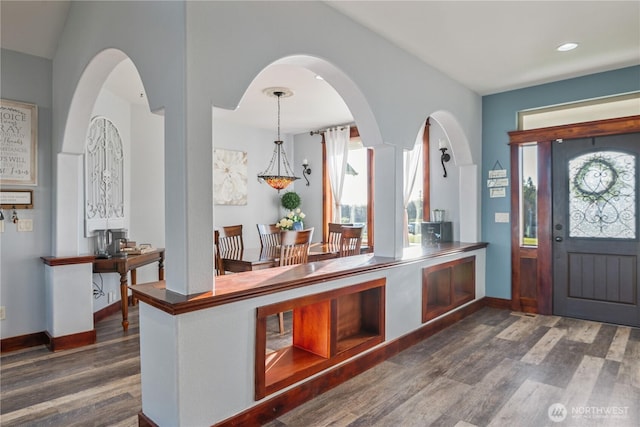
(387, 170)
(69, 169)
(70, 159)
(468, 189)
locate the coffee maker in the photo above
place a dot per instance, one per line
(103, 240)
(118, 236)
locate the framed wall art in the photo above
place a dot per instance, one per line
(18, 143)
(16, 199)
(229, 177)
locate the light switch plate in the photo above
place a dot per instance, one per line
(2, 226)
(25, 225)
(502, 217)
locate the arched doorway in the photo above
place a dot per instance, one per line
(111, 87)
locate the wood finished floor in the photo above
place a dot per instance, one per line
(494, 368)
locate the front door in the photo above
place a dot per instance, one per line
(596, 249)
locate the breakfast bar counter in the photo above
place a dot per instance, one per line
(347, 315)
(236, 287)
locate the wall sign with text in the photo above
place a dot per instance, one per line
(18, 143)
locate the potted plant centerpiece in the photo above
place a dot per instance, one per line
(293, 219)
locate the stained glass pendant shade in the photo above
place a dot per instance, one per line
(279, 173)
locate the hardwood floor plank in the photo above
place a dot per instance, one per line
(619, 344)
(518, 330)
(580, 387)
(630, 365)
(561, 362)
(604, 385)
(528, 406)
(62, 385)
(579, 330)
(427, 405)
(482, 402)
(540, 350)
(71, 402)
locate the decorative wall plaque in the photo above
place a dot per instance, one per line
(18, 143)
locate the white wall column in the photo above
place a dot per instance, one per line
(388, 226)
(469, 194)
(69, 301)
(68, 223)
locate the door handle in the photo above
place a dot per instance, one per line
(558, 239)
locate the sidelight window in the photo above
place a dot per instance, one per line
(529, 195)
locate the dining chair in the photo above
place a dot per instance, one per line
(218, 264)
(269, 235)
(294, 249)
(231, 238)
(294, 246)
(351, 241)
(335, 233)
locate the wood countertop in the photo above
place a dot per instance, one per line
(236, 287)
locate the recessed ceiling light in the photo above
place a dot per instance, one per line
(567, 46)
(319, 77)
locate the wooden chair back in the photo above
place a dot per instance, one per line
(231, 238)
(335, 233)
(269, 235)
(351, 241)
(294, 246)
(218, 264)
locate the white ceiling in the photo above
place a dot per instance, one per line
(488, 46)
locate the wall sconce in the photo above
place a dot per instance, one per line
(306, 170)
(445, 157)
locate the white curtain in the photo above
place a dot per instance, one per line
(412, 161)
(337, 141)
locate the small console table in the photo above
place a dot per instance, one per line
(124, 265)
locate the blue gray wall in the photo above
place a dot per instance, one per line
(27, 79)
(499, 116)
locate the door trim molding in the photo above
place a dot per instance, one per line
(616, 126)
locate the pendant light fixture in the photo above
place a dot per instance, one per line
(278, 174)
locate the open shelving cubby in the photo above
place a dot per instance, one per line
(328, 328)
(447, 286)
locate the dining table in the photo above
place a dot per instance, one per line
(249, 259)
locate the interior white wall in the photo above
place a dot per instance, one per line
(444, 191)
(263, 202)
(146, 182)
(27, 78)
(310, 147)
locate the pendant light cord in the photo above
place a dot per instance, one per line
(278, 94)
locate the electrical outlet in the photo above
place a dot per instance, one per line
(25, 225)
(2, 312)
(111, 296)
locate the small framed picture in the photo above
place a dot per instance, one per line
(18, 143)
(16, 199)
